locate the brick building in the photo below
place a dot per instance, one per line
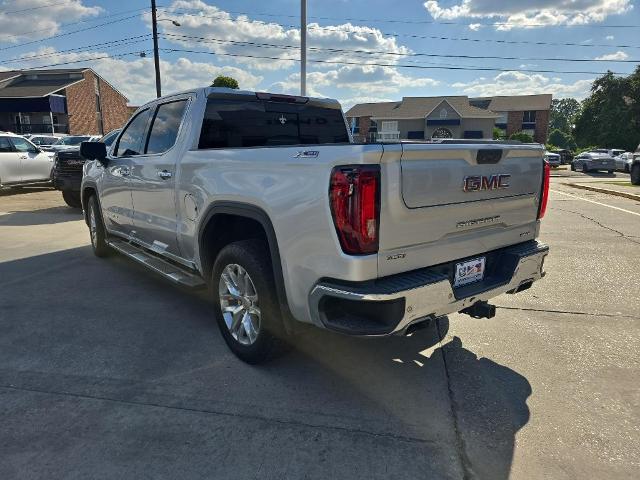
(74, 101)
(516, 113)
(423, 118)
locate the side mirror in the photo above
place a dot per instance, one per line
(93, 151)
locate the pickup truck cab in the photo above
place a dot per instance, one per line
(266, 200)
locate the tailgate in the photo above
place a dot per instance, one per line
(443, 202)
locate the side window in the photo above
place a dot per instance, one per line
(132, 140)
(164, 128)
(5, 145)
(23, 145)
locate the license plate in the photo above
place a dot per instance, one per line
(469, 271)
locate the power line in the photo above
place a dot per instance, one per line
(112, 44)
(418, 36)
(374, 52)
(68, 33)
(40, 67)
(422, 22)
(36, 8)
(394, 65)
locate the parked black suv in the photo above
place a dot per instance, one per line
(67, 171)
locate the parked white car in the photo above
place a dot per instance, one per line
(623, 161)
(553, 159)
(21, 162)
(612, 152)
(43, 141)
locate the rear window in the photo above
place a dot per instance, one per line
(234, 124)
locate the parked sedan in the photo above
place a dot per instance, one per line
(593, 161)
(623, 161)
(21, 162)
(553, 159)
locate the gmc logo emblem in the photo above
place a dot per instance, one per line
(478, 183)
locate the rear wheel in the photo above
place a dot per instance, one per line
(609, 172)
(585, 169)
(573, 167)
(96, 228)
(72, 198)
(245, 302)
(635, 174)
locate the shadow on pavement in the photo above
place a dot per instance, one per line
(110, 366)
(43, 216)
(9, 191)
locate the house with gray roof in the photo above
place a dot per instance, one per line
(68, 100)
(424, 118)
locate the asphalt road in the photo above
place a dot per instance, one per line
(108, 372)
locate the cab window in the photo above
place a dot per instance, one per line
(133, 137)
(22, 145)
(165, 126)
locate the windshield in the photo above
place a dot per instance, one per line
(43, 140)
(72, 140)
(109, 137)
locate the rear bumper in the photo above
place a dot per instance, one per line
(389, 305)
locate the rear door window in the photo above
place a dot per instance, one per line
(165, 126)
(259, 123)
(133, 137)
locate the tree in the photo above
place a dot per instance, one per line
(522, 137)
(561, 139)
(563, 114)
(498, 133)
(228, 82)
(610, 116)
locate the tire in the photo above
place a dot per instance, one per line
(626, 169)
(584, 168)
(573, 167)
(609, 172)
(258, 334)
(635, 174)
(72, 198)
(96, 228)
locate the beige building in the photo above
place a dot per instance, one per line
(420, 118)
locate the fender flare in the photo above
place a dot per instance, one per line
(259, 215)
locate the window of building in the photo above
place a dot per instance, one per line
(165, 126)
(373, 126)
(261, 123)
(354, 124)
(502, 118)
(444, 113)
(529, 117)
(389, 126)
(132, 140)
(442, 133)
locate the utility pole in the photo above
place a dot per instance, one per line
(156, 56)
(303, 48)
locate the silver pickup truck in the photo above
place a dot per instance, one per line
(266, 200)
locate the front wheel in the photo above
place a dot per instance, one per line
(72, 198)
(246, 303)
(635, 174)
(585, 169)
(573, 167)
(609, 172)
(96, 228)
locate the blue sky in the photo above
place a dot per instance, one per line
(345, 36)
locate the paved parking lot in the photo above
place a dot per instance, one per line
(108, 372)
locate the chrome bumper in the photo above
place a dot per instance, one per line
(427, 293)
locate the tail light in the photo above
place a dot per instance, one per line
(354, 196)
(544, 196)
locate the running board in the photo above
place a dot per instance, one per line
(170, 271)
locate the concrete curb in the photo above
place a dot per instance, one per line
(605, 190)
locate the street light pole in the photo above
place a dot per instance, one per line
(156, 56)
(303, 48)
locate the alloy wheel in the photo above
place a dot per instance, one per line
(239, 304)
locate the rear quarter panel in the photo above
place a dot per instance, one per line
(293, 192)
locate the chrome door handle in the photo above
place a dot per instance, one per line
(24, 157)
(164, 174)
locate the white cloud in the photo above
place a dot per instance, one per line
(364, 79)
(530, 13)
(609, 37)
(198, 19)
(475, 26)
(619, 55)
(518, 83)
(44, 19)
(133, 76)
